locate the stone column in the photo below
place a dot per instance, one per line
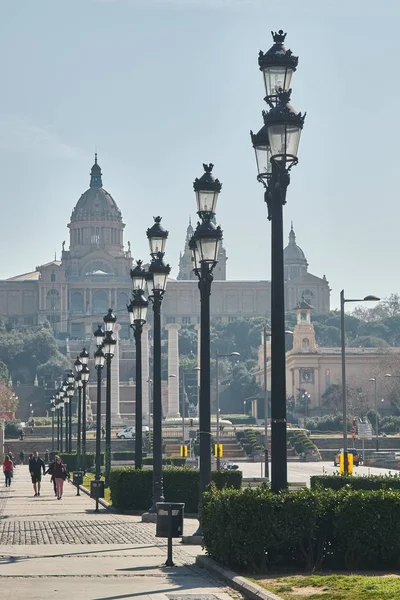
(173, 370)
(115, 414)
(145, 372)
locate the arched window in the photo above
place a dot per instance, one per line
(305, 345)
(100, 301)
(53, 300)
(122, 301)
(76, 302)
(52, 277)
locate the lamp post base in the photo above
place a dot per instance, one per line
(149, 517)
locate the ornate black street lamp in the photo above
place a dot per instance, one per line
(109, 344)
(84, 358)
(70, 393)
(78, 386)
(66, 413)
(137, 310)
(276, 146)
(156, 280)
(61, 408)
(53, 410)
(99, 360)
(205, 245)
(57, 400)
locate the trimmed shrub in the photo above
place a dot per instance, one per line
(131, 489)
(174, 461)
(253, 528)
(366, 482)
(124, 455)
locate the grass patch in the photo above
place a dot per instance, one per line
(334, 587)
(86, 483)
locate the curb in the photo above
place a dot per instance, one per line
(248, 588)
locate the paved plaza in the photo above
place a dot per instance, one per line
(63, 549)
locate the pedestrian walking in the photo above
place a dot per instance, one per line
(50, 471)
(36, 466)
(22, 457)
(60, 474)
(8, 470)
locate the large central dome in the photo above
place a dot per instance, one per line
(96, 204)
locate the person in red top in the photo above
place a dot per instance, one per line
(8, 469)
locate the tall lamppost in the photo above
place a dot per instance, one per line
(57, 400)
(343, 301)
(205, 245)
(61, 408)
(99, 360)
(84, 357)
(66, 413)
(84, 378)
(137, 310)
(217, 357)
(156, 279)
(53, 410)
(109, 344)
(276, 146)
(78, 387)
(70, 393)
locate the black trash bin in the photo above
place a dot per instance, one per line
(77, 478)
(173, 511)
(96, 489)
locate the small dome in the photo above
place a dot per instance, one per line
(293, 252)
(96, 203)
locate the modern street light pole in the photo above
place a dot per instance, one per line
(205, 246)
(276, 146)
(109, 344)
(343, 301)
(156, 280)
(137, 310)
(217, 357)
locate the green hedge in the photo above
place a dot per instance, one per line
(132, 489)
(124, 455)
(366, 482)
(253, 528)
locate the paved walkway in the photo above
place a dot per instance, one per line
(63, 549)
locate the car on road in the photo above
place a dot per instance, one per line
(129, 433)
(357, 458)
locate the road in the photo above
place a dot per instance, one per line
(302, 471)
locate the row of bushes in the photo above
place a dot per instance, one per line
(255, 529)
(250, 441)
(240, 419)
(132, 489)
(366, 482)
(71, 459)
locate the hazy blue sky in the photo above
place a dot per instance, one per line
(161, 86)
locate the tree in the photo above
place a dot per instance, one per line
(54, 368)
(8, 400)
(368, 341)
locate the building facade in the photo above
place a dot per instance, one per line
(74, 293)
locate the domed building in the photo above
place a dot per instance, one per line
(92, 275)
